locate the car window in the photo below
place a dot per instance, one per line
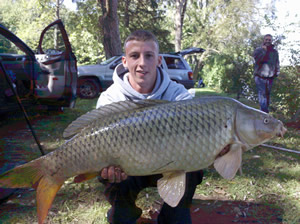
(8, 47)
(53, 42)
(106, 62)
(174, 63)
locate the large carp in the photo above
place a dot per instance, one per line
(149, 137)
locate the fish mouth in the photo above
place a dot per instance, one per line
(281, 131)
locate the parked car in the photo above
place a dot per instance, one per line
(45, 77)
(93, 79)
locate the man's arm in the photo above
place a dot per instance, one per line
(259, 54)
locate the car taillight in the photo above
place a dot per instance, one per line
(190, 75)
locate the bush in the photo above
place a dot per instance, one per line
(286, 92)
(225, 72)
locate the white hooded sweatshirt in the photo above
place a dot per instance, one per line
(120, 90)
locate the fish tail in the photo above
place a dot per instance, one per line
(31, 175)
(46, 192)
(24, 176)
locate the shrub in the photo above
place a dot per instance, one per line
(286, 92)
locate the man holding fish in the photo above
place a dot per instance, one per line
(171, 136)
(140, 77)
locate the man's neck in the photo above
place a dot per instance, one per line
(142, 89)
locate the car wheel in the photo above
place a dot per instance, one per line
(88, 89)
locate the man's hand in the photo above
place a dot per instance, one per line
(264, 47)
(113, 174)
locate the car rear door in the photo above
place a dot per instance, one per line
(58, 85)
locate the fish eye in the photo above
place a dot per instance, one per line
(266, 120)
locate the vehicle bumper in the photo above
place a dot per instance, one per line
(187, 83)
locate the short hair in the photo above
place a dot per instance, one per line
(268, 35)
(141, 35)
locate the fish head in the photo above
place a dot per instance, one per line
(254, 127)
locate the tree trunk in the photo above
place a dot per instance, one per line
(179, 17)
(57, 13)
(109, 24)
(126, 16)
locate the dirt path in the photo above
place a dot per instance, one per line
(206, 211)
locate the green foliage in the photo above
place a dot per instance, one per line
(226, 29)
(227, 73)
(84, 32)
(147, 15)
(286, 92)
(27, 19)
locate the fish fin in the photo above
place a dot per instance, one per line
(171, 187)
(45, 194)
(23, 176)
(228, 164)
(108, 110)
(31, 175)
(85, 176)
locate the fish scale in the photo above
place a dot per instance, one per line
(182, 136)
(149, 137)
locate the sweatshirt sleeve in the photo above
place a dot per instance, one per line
(179, 92)
(259, 54)
(111, 95)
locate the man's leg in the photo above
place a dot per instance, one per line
(261, 85)
(269, 83)
(122, 198)
(181, 213)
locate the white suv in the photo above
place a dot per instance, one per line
(92, 79)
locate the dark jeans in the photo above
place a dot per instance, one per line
(263, 86)
(122, 198)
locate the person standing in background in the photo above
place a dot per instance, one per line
(266, 68)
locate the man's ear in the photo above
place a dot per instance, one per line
(159, 60)
(124, 61)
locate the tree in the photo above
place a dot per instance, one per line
(225, 29)
(109, 23)
(147, 15)
(179, 18)
(36, 15)
(86, 34)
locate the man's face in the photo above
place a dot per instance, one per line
(141, 58)
(267, 41)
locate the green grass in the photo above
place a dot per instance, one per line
(270, 177)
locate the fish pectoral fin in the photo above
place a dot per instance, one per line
(171, 187)
(85, 176)
(228, 164)
(45, 194)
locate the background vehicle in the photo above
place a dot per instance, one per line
(93, 79)
(48, 77)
